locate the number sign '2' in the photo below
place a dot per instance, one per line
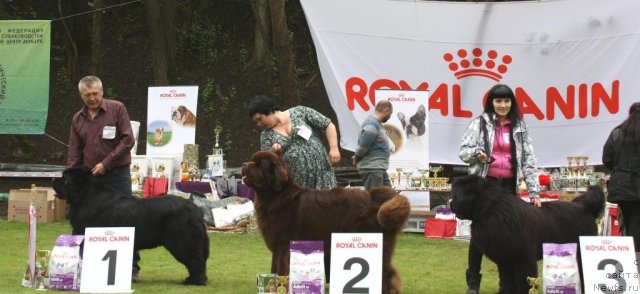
(107, 259)
(356, 263)
(609, 265)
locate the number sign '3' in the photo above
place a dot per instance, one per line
(609, 265)
(107, 259)
(356, 263)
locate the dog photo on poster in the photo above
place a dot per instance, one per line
(172, 118)
(408, 127)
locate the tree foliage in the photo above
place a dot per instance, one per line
(233, 50)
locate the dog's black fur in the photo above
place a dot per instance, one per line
(416, 126)
(169, 221)
(511, 232)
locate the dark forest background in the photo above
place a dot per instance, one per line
(232, 49)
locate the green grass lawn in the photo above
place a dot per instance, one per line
(426, 265)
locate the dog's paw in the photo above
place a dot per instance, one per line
(195, 281)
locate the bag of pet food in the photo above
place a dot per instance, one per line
(65, 263)
(560, 268)
(306, 267)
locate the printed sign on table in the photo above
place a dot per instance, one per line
(107, 260)
(609, 265)
(356, 263)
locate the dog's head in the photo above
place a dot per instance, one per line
(466, 192)
(266, 172)
(178, 113)
(420, 115)
(74, 183)
(159, 131)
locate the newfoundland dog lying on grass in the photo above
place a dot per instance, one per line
(285, 211)
(511, 231)
(168, 221)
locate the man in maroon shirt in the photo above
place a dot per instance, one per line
(100, 140)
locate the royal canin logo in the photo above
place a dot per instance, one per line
(489, 66)
(571, 101)
(356, 239)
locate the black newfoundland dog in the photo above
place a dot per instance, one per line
(285, 211)
(169, 221)
(511, 231)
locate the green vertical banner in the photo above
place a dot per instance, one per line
(24, 75)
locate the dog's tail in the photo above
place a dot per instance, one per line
(592, 200)
(393, 214)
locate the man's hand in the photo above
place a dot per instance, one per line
(98, 169)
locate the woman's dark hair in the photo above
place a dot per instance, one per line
(502, 91)
(631, 126)
(262, 104)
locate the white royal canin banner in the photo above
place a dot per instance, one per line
(573, 64)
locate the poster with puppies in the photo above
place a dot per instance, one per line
(171, 119)
(408, 127)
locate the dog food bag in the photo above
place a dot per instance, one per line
(266, 283)
(560, 268)
(65, 263)
(306, 267)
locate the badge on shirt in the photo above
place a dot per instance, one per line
(109, 132)
(304, 132)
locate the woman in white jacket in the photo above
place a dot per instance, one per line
(497, 146)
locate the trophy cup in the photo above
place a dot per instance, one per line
(423, 178)
(585, 159)
(399, 170)
(570, 168)
(217, 130)
(42, 274)
(435, 170)
(407, 174)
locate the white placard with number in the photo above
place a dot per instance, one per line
(356, 263)
(107, 260)
(609, 265)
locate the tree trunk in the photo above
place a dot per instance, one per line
(161, 51)
(284, 55)
(71, 48)
(96, 37)
(168, 9)
(261, 58)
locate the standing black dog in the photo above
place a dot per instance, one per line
(511, 232)
(168, 221)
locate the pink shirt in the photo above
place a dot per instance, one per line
(501, 152)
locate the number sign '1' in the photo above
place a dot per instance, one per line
(609, 265)
(356, 263)
(107, 260)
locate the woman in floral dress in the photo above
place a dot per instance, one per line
(294, 133)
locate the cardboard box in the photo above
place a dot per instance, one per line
(48, 207)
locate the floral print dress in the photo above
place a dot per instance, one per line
(307, 160)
